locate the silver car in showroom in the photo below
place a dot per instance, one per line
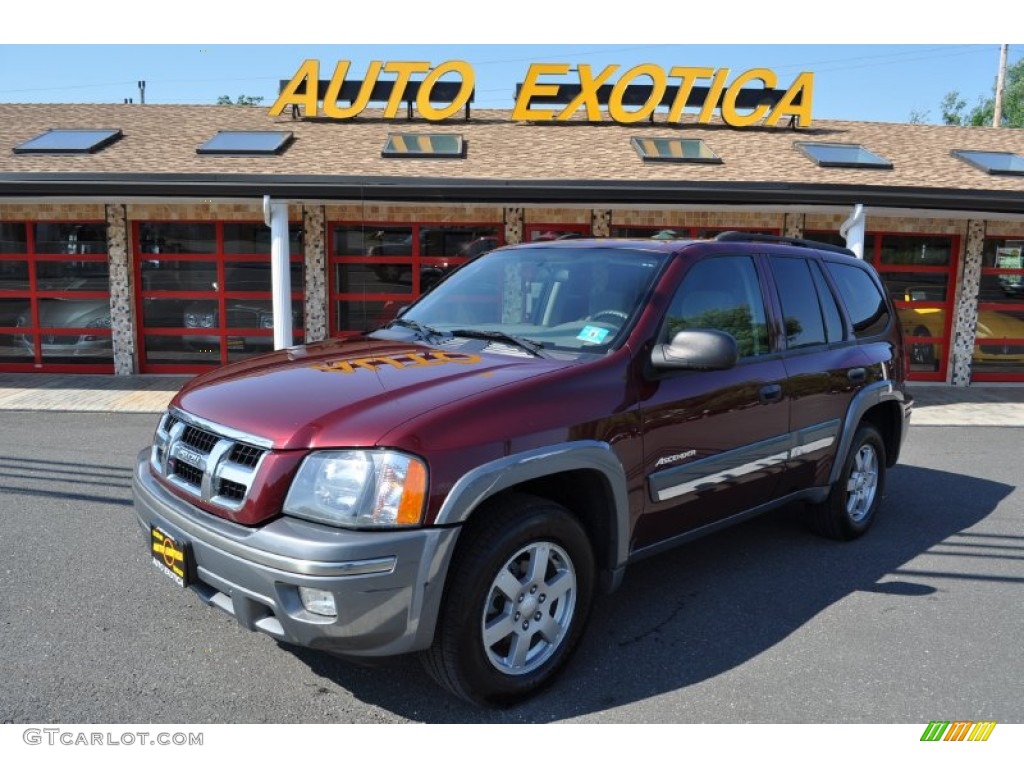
(57, 315)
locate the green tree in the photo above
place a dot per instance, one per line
(241, 101)
(954, 107)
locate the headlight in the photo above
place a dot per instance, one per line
(359, 489)
(199, 320)
(266, 321)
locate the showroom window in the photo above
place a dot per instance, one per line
(685, 233)
(999, 334)
(538, 233)
(376, 269)
(204, 292)
(55, 297)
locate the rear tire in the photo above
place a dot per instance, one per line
(518, 596)
(853, 502)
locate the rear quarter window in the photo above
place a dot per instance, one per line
(864, 300)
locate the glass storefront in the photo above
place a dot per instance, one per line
(376, 269)
(202, 289)
(537, 233)
(999, 334)
(686, 233)
(55, 297)
(204, 292)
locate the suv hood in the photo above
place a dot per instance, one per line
(349, 393)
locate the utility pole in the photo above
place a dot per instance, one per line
(142, 91)
(997, 117)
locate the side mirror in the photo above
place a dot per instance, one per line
(697, 350)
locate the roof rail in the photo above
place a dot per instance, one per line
(732, 237)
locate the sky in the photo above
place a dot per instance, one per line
(878, 63)
(879, 83)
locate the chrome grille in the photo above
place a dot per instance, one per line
(208, 461)
(231, 490)
(245, 455)
(199, 439)
(188, 473)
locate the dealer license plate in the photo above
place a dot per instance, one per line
(171, 557)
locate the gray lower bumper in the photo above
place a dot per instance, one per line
(386, 584)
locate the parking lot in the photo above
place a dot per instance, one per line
(918, 621)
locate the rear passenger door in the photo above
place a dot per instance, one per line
(715, 442)
(824, 367)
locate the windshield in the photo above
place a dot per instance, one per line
(572, 299)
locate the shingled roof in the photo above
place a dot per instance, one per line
(506, 161)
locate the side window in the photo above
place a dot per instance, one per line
(829, 308)
(800, 310)
(722, 294)
(864, 300)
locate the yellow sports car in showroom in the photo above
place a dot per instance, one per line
(999, 337)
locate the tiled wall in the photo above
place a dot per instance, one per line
(314, 243)
(966, 319)
(205, 212)
(513, 226)
(1004, 229)
(714, 219)
(122, 318)
(50, 212)
(400, 214)
(557, 216)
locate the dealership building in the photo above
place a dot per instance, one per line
(133, 237)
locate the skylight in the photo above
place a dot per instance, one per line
(246, 143)
(424, 145)
(666, 150)
(69, 141)
(841, 155)
(997, 163)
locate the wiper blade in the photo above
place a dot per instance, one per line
(424, 331)
(472, 333)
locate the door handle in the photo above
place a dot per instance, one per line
(770, 393)
(857, 375)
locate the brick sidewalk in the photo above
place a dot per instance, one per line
(80, 392)
(934, 405)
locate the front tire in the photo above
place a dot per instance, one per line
(853, 502)
(518, 596)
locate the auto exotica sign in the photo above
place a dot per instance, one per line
(631, 96)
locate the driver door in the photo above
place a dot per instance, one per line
(715, 442)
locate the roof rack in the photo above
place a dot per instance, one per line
(732, 236)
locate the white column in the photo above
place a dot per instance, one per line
(276, 217)
(853, 230)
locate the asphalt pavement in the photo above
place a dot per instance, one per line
(918, 621)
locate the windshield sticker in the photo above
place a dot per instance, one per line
(593, 335)
(400, 362)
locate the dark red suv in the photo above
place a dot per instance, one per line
(462, 481)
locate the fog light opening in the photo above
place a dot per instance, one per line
(318, 601)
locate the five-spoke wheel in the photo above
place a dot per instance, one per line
(517, 598)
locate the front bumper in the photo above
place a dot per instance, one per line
(386, 584)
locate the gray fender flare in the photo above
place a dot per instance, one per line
(484, 481)
(863, 401)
